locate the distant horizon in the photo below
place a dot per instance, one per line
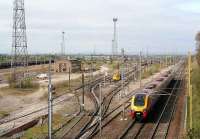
(135, 53)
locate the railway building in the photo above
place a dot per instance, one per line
(65, 65)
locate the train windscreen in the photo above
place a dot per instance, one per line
(139, 100)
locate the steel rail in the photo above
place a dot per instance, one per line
(75, 90)
(125, 132)
(96, 131)
(130, 126)
(44, 108)
(85, 128)
(164, 109)
(172, 113)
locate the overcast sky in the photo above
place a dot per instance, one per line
(157, 26)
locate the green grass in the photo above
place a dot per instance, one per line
(195, 81)
(3, 114)
(41, 131)
(37, 132)
(152, 69)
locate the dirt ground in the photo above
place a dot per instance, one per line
(12, 102)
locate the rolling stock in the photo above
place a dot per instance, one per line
(144, 101)
(116, 76)
(6, 65)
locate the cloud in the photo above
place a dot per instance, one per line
(155, 24)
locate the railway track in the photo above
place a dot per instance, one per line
(94, 128)
(163, 124)
(108, 98)
(9, 123)
(92, 125)
(57, 101)
(159, 128)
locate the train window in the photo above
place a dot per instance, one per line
(139, 100)
(165, 75)
(160, 79)
(151, 86)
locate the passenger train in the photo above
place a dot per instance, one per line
(143, 102)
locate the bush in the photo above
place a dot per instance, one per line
(197, 38)
(24, 83)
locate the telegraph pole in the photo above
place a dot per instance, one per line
(140, 69)
(83, 92)
(91, 68)
(69, 78)
(122, 70)
(160, 62)
(100, 109)
(166, 62)
(50, 103)
(190, 88)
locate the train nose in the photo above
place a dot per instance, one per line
(132, 114)
(144, 113)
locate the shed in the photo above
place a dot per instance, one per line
(65, 65)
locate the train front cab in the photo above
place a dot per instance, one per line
(116, 76)
(139, 104)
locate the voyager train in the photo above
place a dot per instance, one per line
(143, 102)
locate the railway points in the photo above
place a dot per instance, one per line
(67, 91)
(115, 105)
(132, 128)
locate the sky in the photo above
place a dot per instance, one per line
(153, 26)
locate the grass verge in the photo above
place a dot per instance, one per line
(151, 70)
(195, 81)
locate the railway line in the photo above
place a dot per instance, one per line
(9, 124)
(94, 129)
(91, 126)
(156, 128)
(22, 117)
(112, 116)
(7, 65)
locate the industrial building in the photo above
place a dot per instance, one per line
(65, 65)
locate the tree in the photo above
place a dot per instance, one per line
(197, 38)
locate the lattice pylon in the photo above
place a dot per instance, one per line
(19, 61)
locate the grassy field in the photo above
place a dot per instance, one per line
(196, 99)
(151, 70)
(3, 114)
(41, 131)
